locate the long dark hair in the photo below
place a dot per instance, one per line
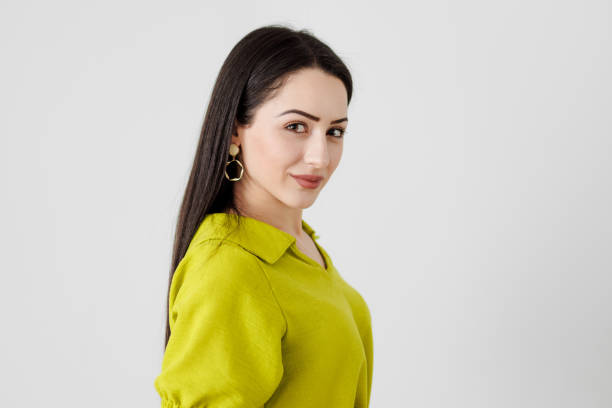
(257, 65)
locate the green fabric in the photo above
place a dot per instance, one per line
(257, 323)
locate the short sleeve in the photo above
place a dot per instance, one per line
(225, 347)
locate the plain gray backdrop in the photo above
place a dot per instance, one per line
(471, 207)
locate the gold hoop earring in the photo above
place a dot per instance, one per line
(233, 151)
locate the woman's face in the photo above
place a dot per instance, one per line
(280, 144)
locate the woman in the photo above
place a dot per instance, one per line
(258, 314)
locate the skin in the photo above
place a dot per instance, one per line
(273, 147)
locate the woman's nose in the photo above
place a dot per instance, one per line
(317, 154)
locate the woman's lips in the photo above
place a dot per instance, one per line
(307, 181)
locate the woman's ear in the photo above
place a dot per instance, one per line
(235, 134)
(238, 128)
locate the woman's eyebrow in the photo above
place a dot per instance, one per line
(310, 116)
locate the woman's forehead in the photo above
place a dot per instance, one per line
(312, 91)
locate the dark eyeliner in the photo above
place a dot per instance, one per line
(342, 131)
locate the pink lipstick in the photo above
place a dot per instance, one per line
(307, 180)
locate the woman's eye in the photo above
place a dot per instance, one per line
(337, 132)
(292, 126)
(301, 128)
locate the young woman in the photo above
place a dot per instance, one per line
(257, 313)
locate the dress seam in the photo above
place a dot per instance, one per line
(265, 276)
(273, 295)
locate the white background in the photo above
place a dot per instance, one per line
(471, 208)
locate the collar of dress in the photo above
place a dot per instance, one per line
(258, 237)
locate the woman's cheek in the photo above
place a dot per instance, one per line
(268, 152)
(281, 148)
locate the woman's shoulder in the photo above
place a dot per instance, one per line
(218, 252)
(216, 257)
(217, 265)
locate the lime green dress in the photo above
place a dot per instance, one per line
(257, 323)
